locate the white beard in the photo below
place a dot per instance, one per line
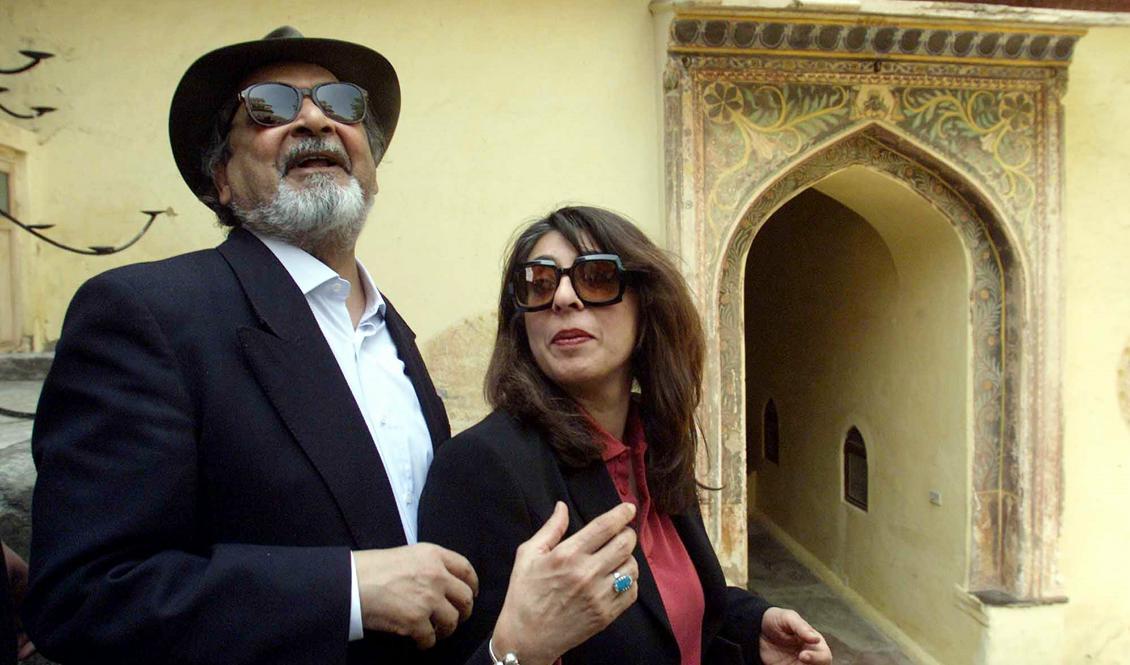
(321, 217)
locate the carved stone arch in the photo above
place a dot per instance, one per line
(751, 120)
(995, 321)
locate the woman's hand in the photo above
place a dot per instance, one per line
(787, 639)
(560, 592)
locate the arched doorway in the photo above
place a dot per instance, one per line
(760, 106)
(858, 328)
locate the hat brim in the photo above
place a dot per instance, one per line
(212, 81)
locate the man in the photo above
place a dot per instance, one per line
(231, 443)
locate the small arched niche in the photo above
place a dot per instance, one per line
(855, 470)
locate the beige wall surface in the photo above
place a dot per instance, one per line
(509, 108)
(1096, 532)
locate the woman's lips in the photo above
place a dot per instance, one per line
(571, 337)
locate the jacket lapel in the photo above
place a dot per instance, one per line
(430, 404)
(701, 551)
(593, 494)
(293, 363)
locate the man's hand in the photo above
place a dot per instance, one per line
(420, 591)
(17, 585)
(787, 639)
(561, 592)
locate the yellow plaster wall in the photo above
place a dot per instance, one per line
(509, 108)
(1096, 263)
(851, 323)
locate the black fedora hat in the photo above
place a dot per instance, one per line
(211, 82)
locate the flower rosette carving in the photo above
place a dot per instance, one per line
(1017, 111)
(723, 101)
(875, 102)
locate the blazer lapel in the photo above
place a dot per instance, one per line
(430, 404)
(593, 494)
(701, 551)
(293, 363)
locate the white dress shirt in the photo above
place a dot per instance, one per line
(371, 366)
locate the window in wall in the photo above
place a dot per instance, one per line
(771, 433)
(855, 469)
(4, 196)
(9, 271)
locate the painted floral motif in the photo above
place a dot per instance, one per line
(760, 126)
(875, 102)
(754, 128)
(722, 102)
(992, 131)
(1017, 109)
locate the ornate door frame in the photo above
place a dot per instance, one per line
(759, 106)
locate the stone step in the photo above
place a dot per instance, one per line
(25, 366)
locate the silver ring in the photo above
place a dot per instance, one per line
(621, 582)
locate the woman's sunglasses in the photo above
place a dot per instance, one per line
(274, 104)
(597, 279)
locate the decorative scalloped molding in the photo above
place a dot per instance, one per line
(870, 37)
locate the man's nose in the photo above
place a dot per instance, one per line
(311, 119)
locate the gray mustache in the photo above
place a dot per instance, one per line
(312, 147)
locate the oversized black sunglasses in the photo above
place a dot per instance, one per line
(273, 104)
(597, 279)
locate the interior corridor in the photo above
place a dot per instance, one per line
(784, 581)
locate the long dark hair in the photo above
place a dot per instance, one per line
(666, 364)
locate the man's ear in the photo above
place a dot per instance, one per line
(220, 180)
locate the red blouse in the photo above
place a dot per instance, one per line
(674, 573)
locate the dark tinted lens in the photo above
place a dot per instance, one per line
(272, 103)
(535, 285)
(343, 102)
(596, 281)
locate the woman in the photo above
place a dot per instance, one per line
(589, 307)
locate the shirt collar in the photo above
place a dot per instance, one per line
(634, 440)
(374, 302)
(309, 273)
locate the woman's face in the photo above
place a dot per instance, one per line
(585, 350)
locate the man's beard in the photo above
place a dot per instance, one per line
(320, 217)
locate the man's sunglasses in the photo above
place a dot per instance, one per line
(274, 104)
(597, 279)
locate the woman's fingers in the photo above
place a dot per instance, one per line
(615, 552)
(549, 535)
(596, 533)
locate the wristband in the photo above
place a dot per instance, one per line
(508, 659)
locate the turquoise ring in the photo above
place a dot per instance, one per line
(621, 582)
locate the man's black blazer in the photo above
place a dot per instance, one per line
(204, 471)
(491, 487)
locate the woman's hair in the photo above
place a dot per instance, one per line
(666, 363)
